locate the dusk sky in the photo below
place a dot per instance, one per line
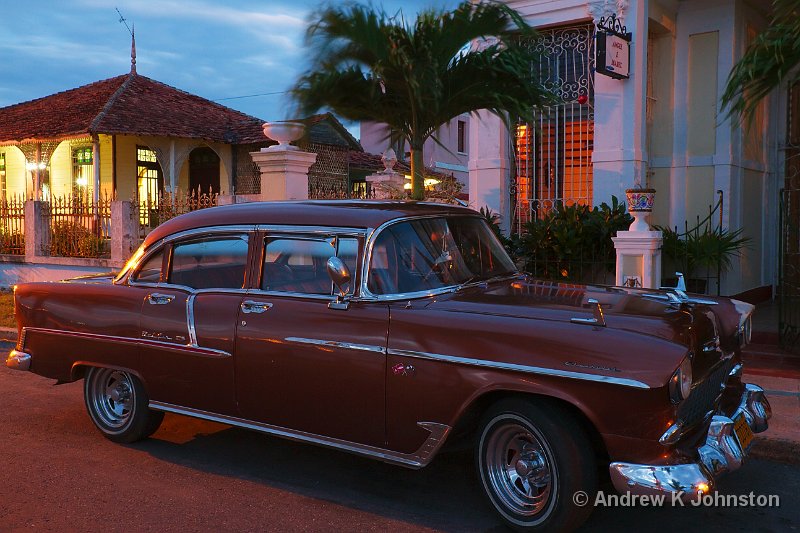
(222, 51)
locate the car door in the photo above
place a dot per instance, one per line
(188, 321)
(300, 364)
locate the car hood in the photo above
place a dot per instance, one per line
(633, 310)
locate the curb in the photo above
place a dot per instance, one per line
(8, 334)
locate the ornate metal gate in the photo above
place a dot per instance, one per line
(789, 267)
(554, 155)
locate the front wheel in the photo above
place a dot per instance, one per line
(532, 460)
(117, 404)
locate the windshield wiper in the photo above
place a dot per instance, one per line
(482, 279)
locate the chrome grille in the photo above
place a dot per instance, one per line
(704, 396)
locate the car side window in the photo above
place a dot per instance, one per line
(297, 264)
(217, 262)
(150, 271)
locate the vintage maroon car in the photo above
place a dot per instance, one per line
(387, 329)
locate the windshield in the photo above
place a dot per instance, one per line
(426, 254)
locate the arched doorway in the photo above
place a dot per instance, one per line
(204, 170)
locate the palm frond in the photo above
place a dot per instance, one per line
(771, 59)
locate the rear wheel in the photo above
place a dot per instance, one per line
(535, 462)
(117, 404)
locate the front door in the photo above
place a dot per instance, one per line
(301, 365)
(204, 171)
(188, 321)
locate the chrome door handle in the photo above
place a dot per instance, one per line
(250, 306)
(159, 299)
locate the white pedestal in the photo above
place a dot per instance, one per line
(284, 173)
(387, 185)
(638, 258)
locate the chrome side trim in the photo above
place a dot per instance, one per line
(418, 459)
(520, 368)
(190, 319)
(313, 230)
(194, 350)
(337, 344)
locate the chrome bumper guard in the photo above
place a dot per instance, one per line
(18, 360)
(724, 450)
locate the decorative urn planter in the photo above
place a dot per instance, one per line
(640, 204)
(284, 132)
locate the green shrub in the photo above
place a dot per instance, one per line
(573, 243)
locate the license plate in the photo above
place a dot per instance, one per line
(743, 432)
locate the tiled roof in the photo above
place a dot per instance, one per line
(130, 104)
(325, 128)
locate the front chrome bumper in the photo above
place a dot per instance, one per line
(723, 451)
(18, 360)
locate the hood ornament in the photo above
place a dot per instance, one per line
(677, 294)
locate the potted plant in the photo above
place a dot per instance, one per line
(700, 255)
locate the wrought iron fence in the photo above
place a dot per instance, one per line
(156, 210)
(78, 226)
(554, 154)
(701, 252)
(12, 225)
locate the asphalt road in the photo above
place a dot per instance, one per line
(58, 474)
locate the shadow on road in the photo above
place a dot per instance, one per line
(444, 495)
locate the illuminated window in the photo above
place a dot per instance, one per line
(82, 169)
(149, 178)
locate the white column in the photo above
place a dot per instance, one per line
(619, 156)
(387, 185)
(37, 174)
(638, 258)
(172, 178)
(489, 166)
(284, 173)
(96, 169)
(124, 230)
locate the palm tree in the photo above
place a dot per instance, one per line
(416, 77)
(771, 59)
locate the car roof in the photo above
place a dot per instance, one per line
(334, 213)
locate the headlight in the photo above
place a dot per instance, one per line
(680, 384)
(745, 331)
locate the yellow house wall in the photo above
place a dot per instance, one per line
(702, 94)
(659, 180)
(183, 178)
(753, 225)
(126, 166)
(700, 193)
(17, 177)
(61, 167)
(701, 123)
(661, 121)
(662, 85)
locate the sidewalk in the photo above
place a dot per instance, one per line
(765, 365)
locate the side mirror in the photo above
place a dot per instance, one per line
(340, 275)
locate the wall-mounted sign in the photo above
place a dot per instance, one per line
(613, 46)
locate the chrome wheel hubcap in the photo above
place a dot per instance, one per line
(519, 469)
(112, 397)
